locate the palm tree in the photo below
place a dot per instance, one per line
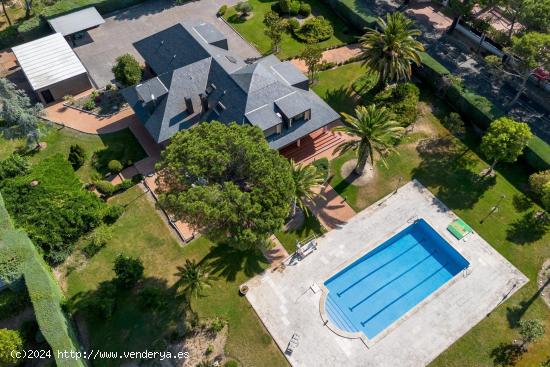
(392, 49)
(375, 132)
(193, 277)
(306, 179)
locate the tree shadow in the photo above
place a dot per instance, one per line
(527, 229)
(342, 99)
(515, 313)
(453, 169)
(122, 146)
(522, 203)
(226, 261)
(506, 354)
(130, 322)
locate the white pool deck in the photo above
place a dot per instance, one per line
(286, 303)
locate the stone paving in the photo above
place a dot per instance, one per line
(331, 209)
(288, 301)
(336, 55)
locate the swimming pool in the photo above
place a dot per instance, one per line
(377, 289)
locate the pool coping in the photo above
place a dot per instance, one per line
(369, 343)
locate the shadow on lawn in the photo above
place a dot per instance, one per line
(515, 313)
(130, 320)
(506, 354)
(226, 261)
(342, 99)
(122, 146)
(453, 169)
(527, 229)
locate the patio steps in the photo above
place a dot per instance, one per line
(311, 147)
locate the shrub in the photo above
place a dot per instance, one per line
(217, 325)
(454, 123)
(14, 165)
(125, 185)
(112, 213)
(284, 6)
(315, 30)
(97, 240)
(402, 100)
(137, 178)
(222, 10)
(56, 212)
(152, 298)
(209, 349)
(244, 7)
(305, 9)
(537, 181)
(294, 8)
(128, 271)
(293, 24)
(115, 166)
(105, 187)
(231, 363)
(545, 198)
(10, 341)
(127, 70)
(77, 156)
(89, 105)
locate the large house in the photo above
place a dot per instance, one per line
(198, 78)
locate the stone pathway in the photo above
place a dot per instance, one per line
(336, 55)
(332, 211)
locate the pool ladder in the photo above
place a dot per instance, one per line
(466, 271)
(412, 219)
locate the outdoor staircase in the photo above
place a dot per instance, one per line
(311, 147)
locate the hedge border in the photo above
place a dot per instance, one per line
(45, 294)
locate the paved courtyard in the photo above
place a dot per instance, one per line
(288, 301)
(102, 45)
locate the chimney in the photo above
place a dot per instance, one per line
(204, 102)
(189, 105)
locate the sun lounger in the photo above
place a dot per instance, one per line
(459, 229)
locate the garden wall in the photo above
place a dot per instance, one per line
(45, 294)
(475, 108)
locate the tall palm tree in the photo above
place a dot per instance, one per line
(193, 277)
(375, 132)
(306, 179)
(392, 49)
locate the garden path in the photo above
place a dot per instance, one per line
(336, 55)
(332, 210)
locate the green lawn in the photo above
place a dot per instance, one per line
(310, 227)
(100, 149)
(252, 28)
(141, 232)
(450, 168)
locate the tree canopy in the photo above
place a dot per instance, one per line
(227, 182)
(127, 70)
(505, 140)
(10, 341)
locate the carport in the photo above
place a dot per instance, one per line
(52, 68)
(72, 24)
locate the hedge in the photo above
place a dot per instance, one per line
(475, 108)
(44, 292)
(354, 12)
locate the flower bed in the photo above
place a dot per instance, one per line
(103, 102)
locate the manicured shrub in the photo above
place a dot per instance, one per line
(125, 185)
(294, 8)
(284, 6)
(128, 271)
(545, 197)
(244, 7)
(152, 298)
(112, 213)
(77, 156)
(402, 100)
(222, 10)
(137, 178)
(305, 9)
(14, 165)
(89, 105)
(105, 187)
(97, 240)
(115, 166)
(537, 181)
(127, 70)
(293, 24)
(315, 30)
(10, 342)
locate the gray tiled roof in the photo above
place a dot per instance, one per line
(232, 90)
(211, 35)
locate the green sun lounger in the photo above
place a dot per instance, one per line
(459, 228)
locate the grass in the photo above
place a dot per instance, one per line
(450, 168)
(252, 28)
(141, 232)
(100, 149)
(289, 238)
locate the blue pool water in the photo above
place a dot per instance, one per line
(380, 287)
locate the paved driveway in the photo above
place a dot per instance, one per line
(101, 46)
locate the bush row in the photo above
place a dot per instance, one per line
(475, 108)
(44, 292)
